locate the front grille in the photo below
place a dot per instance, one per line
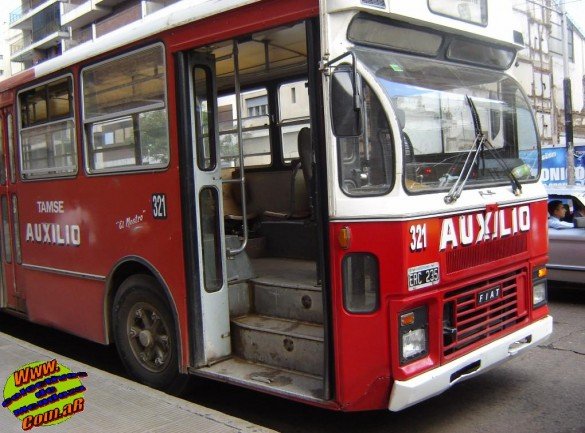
(467, 321)
(486, 252)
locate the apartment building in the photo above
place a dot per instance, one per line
(50, 27)
(540, 68)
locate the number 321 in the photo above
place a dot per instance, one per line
(418, 236)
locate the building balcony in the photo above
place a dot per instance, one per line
(25, 49)
(126, 16)
(77, 14)
(78, 37)
(107, 3)
(22, 17)
(152, 6)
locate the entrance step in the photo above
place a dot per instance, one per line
(294, 303)
(287, 288)
(282, 343)
(263, 377)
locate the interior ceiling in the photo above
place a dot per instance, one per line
(263, 56)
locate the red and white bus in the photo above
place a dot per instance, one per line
(336, 202)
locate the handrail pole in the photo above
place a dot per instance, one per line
(242, 246)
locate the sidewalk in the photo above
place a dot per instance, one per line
(114, 404)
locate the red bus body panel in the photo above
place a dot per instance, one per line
(367, 351)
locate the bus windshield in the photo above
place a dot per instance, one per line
(430, 100)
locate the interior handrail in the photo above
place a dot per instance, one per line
(242, 178)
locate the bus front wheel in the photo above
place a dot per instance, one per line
(145, 334)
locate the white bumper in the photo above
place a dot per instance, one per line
(412, 391)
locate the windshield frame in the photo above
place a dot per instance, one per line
(531, 154)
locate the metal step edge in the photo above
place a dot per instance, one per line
(289, 304)
(217, 372)
(236, 322)
(284, 284)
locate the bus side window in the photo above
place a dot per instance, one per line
(6, 234)
(11, 155)
(125, 112)
(47, 130)
(2, 162)
(204, 118)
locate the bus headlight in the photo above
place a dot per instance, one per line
(539, 293)
(539, 287)
(413, 334)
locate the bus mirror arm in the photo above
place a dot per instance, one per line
(346, 105)
(326, 66)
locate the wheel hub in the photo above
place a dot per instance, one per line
(148, 335)
(145, 338)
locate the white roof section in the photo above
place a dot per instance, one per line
(499, 28)
(171, 16)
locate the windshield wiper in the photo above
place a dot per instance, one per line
(471, 160)
(480, 143)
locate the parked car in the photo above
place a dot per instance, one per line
(567, 246)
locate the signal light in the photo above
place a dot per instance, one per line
(344, 238)
(407, 319)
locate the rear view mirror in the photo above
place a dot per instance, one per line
(345, 103)
(495, 117)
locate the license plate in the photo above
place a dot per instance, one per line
(423, 276)
(489, 295)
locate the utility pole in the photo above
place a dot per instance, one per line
(568, 102)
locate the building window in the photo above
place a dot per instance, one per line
(292, 116)
(46, 22)
(125, 114)
(257, 106)
(255, 129)
(47, 130)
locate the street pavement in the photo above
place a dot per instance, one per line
(115, 404)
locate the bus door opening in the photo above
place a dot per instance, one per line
(265, 144)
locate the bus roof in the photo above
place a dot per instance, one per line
(184, 12)
(170, 17)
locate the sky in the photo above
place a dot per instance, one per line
(576, 10)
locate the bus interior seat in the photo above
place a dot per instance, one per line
(280, 194)
(406, 143)
(296, 236)
(277, 204)
(306, 154)
(232, 204)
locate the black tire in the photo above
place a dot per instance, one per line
(145, 334)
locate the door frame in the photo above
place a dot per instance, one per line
(208, 312)
(11, 297)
